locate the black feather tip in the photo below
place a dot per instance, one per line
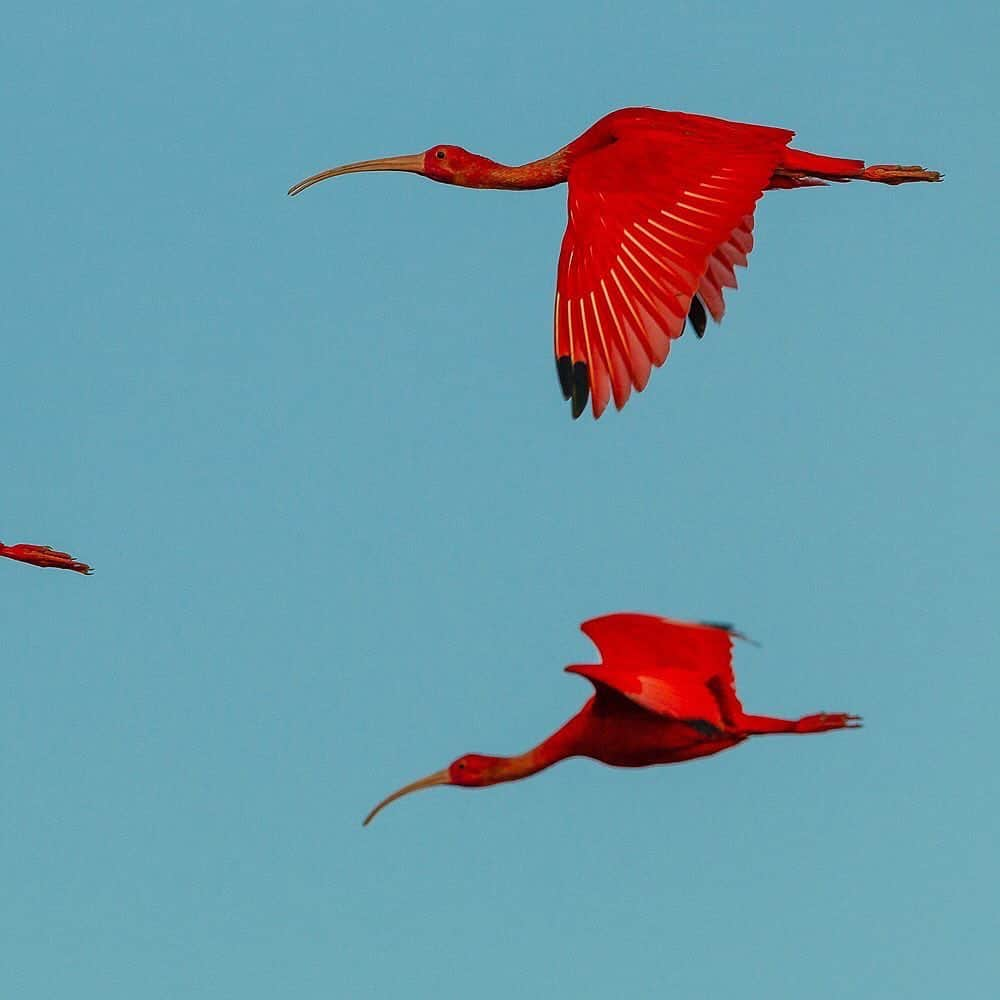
(725, 626)
(564, 369)
(581, 388)
(732, 630)
(697, 316)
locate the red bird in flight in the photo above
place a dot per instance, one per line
(661, 210)
(664, 692)
(45, 556)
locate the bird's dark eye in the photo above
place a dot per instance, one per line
(440, 154)
(461, 763)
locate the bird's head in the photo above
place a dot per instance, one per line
(472, 770)
(447, 164)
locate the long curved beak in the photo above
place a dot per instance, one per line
(437, 778)
(411, 164)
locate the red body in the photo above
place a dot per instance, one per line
(661, 213)
(664, 693)
(616, 731)
(44, 556)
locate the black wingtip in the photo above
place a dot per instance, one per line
(732, 630)
(581, 388)
(697, 316)
(725, 626)
(564, 369)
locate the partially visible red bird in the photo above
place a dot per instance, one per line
(43, 555)
(661, 210)
(664, 693)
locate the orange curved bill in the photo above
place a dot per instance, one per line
(437, 778)
(412, 164)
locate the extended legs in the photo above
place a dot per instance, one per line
(758, 725)
(801, 169)
(885, 174)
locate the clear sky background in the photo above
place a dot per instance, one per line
(344, 529)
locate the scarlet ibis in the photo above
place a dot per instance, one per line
(661, 210)
(664, 693)
(43, 555)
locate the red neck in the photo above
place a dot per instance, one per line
(546, 172)
(563, 743)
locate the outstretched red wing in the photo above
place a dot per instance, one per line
(678, 669)
(655, 218)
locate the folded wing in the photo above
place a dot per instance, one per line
(681, 670)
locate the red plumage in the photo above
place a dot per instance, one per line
(664, 693)
(660, 207)
(661, 212)
(43, 556)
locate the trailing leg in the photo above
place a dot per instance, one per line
(801, 169)
(883, 173)
(759, 725)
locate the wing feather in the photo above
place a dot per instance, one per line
(678, 669)
(721, 272)
(663, 213)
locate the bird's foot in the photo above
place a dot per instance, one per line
(885, 173)
(824, 721)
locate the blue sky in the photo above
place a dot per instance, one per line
(344, 529)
